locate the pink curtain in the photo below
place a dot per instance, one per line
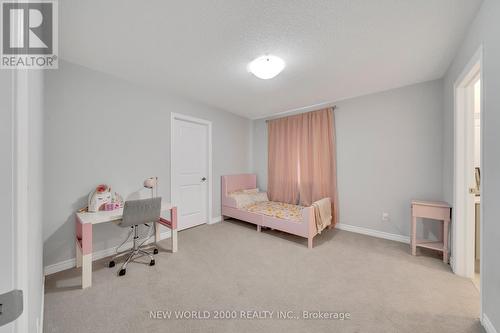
(301, 160)
(283, 155)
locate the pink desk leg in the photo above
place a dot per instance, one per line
(84, 251)
(157, 232)
(173, 213)
(172, 225)
(414, 236)
(445, 240)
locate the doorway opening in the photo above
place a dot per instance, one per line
(476, 189)
(467, 229)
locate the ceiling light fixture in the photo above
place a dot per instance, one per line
(266, 67)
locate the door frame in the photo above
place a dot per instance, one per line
(177, 116)
(20, 190)
(463, 232)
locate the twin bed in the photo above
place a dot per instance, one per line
(241, 200)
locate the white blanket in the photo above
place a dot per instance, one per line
(322, 213)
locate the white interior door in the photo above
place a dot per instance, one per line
(190, 170)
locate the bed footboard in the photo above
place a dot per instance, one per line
(309, 224)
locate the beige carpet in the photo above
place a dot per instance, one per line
(229, 266)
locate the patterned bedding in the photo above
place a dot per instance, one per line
(277, 209)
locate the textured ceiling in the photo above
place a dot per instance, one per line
(200, 49)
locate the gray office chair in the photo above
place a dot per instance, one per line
(137, 212)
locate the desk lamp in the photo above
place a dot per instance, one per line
(152, 183)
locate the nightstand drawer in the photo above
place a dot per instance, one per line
(431, 212)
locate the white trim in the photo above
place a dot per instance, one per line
(70, 263)
(60, 266)
(463, 233)
(21, 175)
(13, 236)
(42, 309)
(208, 123)
(481, 188)
(373, 233)
(216, 219)
(487, 324)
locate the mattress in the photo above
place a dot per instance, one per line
(277, 209)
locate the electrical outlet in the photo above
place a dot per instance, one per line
(385, 217)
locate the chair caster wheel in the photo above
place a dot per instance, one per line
(111, 264)
(122, 272)
(152, 263)
(155, 251)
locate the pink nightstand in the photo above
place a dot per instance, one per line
(435, 210)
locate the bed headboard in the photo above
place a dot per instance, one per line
(231, 183)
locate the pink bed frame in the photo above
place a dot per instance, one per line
(305, 228)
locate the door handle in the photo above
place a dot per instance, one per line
(473, 190)
(203, 179)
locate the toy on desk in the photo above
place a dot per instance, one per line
(112, 206)
(116, 203)
(118, 200)
(103, 199)
(99, 197)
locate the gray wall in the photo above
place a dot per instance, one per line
(389, 151)
(484, 30)
(100, 129)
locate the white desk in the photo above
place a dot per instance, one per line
(85, 221)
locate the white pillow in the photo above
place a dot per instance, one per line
(252, 190)
(260, 196)
(245, 199)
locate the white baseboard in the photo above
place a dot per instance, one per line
(374, 233)
(70, 263)
(452, 264)
(39, 321)
(216, 219)
(488, 325)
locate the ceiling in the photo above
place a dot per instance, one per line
(334, 49)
